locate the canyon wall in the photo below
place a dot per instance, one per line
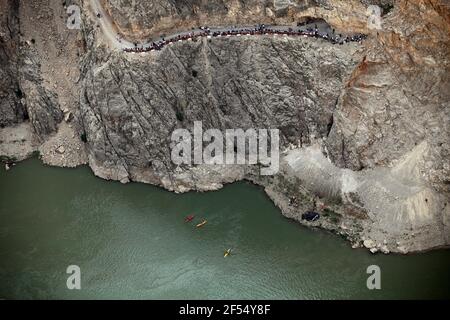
(398, 96)
(364, 127)
(11, 108)
(143, 19)
(226, 83)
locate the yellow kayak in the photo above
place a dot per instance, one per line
(227, 253)
(201, 224)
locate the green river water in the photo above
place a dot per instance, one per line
(130, 241)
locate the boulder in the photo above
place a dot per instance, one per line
(61, 149)
(369, 244)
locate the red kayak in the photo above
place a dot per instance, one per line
(189, 218)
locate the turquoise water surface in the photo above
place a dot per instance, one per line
(131, 241)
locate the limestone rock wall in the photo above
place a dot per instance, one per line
(144, 19)
(376, 115)
(398, 96)
(131, 104)
(11, 107)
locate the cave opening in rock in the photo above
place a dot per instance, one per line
(303, 21)
(330, 125)
(83, 137)
(19, 93)
(180, 116)
(25, 115)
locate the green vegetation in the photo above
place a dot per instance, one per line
(36, 154)
(335, 200)
(6, 159)
(387, 7)
(332, 215)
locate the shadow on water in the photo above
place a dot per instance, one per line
(131, 241)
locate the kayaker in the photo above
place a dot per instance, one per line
(201, 224)
(227, 253)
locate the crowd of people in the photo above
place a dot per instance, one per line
(257, 30)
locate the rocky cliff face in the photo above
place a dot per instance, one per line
(42, 106)
(398, 97)
(364, 128)
(143, 19)
(227, 83)
(25, 95)
(11, 108)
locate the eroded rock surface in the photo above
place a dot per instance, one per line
(398, 96)
(364, 128)
(11, 109)
(140, 19)
(226, 83)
